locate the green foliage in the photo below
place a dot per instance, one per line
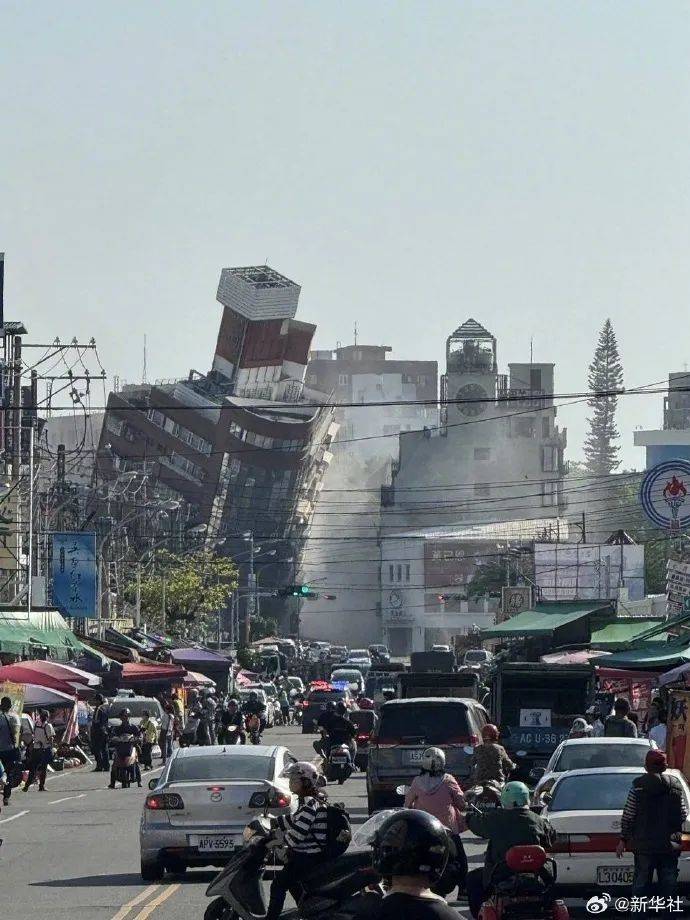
(181, 595)
(605, 375)
(489, 579)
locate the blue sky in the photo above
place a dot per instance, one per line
(409, 163)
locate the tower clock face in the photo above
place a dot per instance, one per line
(471, 392)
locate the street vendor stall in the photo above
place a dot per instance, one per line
(151, 677)
(19, 674)
(636, 686)
(206, 662)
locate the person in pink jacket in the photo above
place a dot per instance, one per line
(437, 792)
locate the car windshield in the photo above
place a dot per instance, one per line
(588, 756)
(475, 656)
(431, 723)
(593, 792)
(321, 696)
(136, 708)
(221, 767)
(359, 653)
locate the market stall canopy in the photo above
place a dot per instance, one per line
(194, 679)
(548, 620)
(203, 661)
(20, 675)
(35, 697)
(623, 631)
(136, 673)
(581, 657)
(679, 675)
(64, 672)
(652, 656)
(40, 632)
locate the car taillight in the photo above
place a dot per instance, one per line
(274, 798)
(363, 737)
(259, 800)
(164, 801)
(585, 843)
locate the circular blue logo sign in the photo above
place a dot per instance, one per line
(665, 494)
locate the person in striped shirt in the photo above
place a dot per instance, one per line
(304, 833)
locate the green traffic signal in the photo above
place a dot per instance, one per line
(305, 589)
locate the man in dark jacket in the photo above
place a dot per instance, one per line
(99, 735)
(652, 822)
(619, 725)
(512, 825)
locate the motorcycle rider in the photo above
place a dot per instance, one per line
(124, 729)
(512, 825)
(230, 718)
(410, 849)
(438, 793)
(254, 707)
(304, 834)
(580, 728)
(341, 730)
(490, 763)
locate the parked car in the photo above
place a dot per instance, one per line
(353, 677)
(406, 728)
(202, 801)
(136, 706)
(477, 657)
(585, 809)
(441, 648)
(317, 650)
(315, 703)
(588, 754)
(359, 658)
(379, 653)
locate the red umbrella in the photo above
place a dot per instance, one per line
(18, 674)
(62, 672)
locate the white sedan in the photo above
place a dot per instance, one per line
(202, 801)
(587, 754)
(585, 808)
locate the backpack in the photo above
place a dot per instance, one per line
(338, 830)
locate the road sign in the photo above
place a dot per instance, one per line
(664, 495)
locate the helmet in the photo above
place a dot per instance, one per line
(411, 842)
(125, 713)
(253, 695)
(341, 708)
(515, 795)
(305, 771)
(330, 706)
(366, 703)
(434, 760)
(579, 725)
(489, 733)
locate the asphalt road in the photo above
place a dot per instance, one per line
(72, 852)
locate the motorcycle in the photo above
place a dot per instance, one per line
(485, 796)
(523, 887)
(253, 725)
(125, 759)
(338, 764)
(337, 885)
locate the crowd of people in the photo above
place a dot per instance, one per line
(623, 723)
(27, 748)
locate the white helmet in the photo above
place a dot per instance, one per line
(305, 771)
(434, 761)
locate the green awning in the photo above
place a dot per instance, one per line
(620, 633)
(652, 656)
(542, 621)
(26, 635)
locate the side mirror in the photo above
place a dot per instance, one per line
(401, 790)
(536, 773)
(546, 798)
(153, 783)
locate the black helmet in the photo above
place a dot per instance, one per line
(330, 706)
(125, 713)
(411, 842)
(341, 708)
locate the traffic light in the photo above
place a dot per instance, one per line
(296, 591)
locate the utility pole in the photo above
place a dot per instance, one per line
(17, 408)
(251, 593)
(60, 523)
(137, 610)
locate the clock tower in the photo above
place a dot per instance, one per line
(468, 388)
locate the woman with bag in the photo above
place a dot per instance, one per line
(41, 753)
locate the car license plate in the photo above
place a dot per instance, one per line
(614, 875)
(215, 843)
(414, 756)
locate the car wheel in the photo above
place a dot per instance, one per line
(177, 868)
(151, 871)
(219, 910)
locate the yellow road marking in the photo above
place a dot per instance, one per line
(125, 909)
(157, 901)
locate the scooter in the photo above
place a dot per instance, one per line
(125, 759)
(523, 887)
(485, 796)
(338, 764)
(253, 724)
(335, 885)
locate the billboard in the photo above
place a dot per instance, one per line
(74, 574)
(585, 571)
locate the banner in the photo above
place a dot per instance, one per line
(677, 749)
(74, 574)
(15, 693)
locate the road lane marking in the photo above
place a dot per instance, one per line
(14, 817)
(67, 798)
(157, 901)
(142, 896)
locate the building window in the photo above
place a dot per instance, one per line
(549, 459)
(391, 573)
(545, 427)
(482, 454)
(482, 490)
(523, 427)
(399, 573)
(114, 424)
(343, 380)
(407, 573)
(549, 493)
(421, 380)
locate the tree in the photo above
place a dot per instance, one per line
(181, 595)
(605, 377)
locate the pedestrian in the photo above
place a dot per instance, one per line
(98, 735)
(10, 756)
(657, 734)
(284, 703)
(620, 725)
(41, 753)
(165, 735)
(595, 723)
(177, 706)
(652, 822)
(580, 729)
(149, 736)
(191, 726)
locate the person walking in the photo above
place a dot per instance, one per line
(652, 822)
(165, 734)
(620, 725)
(98, 735)
(41, 753)
(149, 735)
(9, 745)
